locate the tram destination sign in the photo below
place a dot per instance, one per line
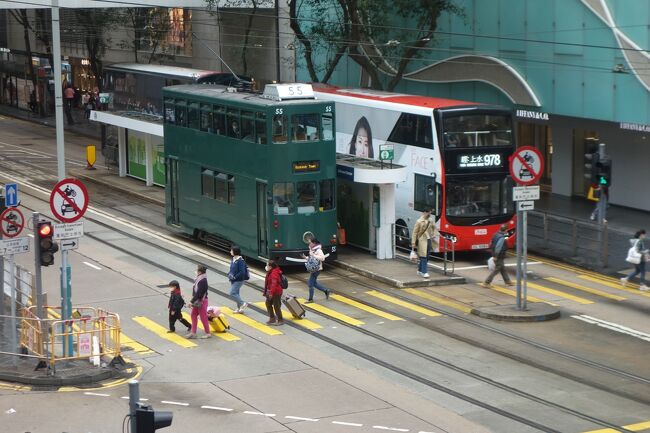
(484, 160)
(305, 166)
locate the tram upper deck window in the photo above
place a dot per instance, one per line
(233, 123)
(477, 130)
(327, 198)
(283, 198)
(181, 113)
(306, 197)
(260, 128)
(248, 126)
(413, 130)
(206, 118)
(328, 126)
(305, 127)
(280, 132)
(169, 111)
(193, 118)
(219, 117)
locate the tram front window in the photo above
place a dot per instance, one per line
(478, 198)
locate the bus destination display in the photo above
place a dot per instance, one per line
(488, 160)
(305, 166)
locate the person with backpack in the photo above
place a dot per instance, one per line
(175, 305)
(199, 302)
(237, 275)
(499, 248)
(314, 265)
(273, 285)
(637, 245)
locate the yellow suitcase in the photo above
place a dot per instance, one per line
(220, 324)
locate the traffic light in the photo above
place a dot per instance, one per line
(47, 246)
(148, 420)
(604, 172)
(591, 166)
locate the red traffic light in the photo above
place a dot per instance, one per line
(45, 230)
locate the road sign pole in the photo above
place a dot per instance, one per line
(66, 302)
(12, 287)
(519, 247)
(524, 242)
(2, 283)
(58, 91)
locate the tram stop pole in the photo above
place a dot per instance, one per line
(519, 256)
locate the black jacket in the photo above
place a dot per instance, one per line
(176, 301)
(200, 291)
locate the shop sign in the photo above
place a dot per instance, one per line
(634, 127)
(537, 115)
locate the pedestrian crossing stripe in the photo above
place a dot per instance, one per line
(329, 312)
(631, 427)
(368, 308)
(559, 293)
(286, 315)
(227, 336)
(513, 293)
(443, 301)
(617, 285)
(250, 322)
(585, 288)
(403, 304)
(161, 331)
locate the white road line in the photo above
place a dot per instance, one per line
(175, 403)
(381, 427)
(224, 409)
(250, 412)
(299, 418)
(350, 424)
(126, 397)
(97, 394)
(38, 152)
(613, 326)
(92, 266)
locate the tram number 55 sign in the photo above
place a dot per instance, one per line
(69, 200)
(526, 165)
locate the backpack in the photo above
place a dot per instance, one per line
(499, 248)
(247, 275)
(284, 282)
(312, 264)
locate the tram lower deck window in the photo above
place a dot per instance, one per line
(283, 198)
(306, 197)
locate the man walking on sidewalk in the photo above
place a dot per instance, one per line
(68, 96)
(499, 248)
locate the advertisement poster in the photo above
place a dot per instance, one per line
(136, 155)
(158, 160)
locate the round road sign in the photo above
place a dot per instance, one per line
(12, 222)
(526, 165)
(69, 200)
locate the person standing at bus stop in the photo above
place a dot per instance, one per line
(499, 248)
(424, 234)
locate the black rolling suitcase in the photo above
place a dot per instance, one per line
(294, 307)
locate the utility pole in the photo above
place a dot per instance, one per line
(58, 90)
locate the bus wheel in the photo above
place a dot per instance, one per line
(402, 238)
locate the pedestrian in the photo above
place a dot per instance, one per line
(424, 234)
(175, 306)
(637, 242)
(237, 275)
(68, 95)
(199, 302)
(273, 293)
(314, 264)
(499, 246)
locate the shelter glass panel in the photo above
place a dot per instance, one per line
(283, 198)
(306, 197)
(280, 132)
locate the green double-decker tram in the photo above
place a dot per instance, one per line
(252, 169)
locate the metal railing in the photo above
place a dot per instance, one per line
(447, 244)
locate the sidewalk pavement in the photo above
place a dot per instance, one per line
(81, 125)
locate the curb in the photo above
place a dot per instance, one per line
(45, 122)
(509, 313)
(96, 181)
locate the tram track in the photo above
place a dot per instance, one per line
(375, 360)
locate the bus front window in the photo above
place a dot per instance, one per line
(478, 199)
(477, 130)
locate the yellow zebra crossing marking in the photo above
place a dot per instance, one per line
(250, 322)
(369, 309)
(559, 293)
(403, 304)
(585, 288)
(513, 293)
(617, 285)
(632, 427)
(437, 299)
(227, 336)
(329, 312)
(161, 331)
(286, 315)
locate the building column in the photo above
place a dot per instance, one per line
(121, 151)
(148, 159)
(384, 233)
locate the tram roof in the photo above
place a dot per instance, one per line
(162, 70)
(213, 91)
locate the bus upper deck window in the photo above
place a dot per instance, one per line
(260, 128)
(279, 128)
(283, 198)
(306, 197)
(328, 126)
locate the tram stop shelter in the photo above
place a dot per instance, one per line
(366, 202)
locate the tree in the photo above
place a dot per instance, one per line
(381, 36)
(20, 15)
(150, 29)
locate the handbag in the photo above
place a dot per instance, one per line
(633, 256)
(197, 304)
(413, 256)
(491, 264)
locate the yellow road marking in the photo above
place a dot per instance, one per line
(286, 315)
(329, 312)
(250, 322)
(617, 285)
(585, 289)
(632, 427)
(575, 269)
(227, 336)
(559, 293)
(513, 293)
(161, 331)
(364, 307)
(403, 304)
(443, 301)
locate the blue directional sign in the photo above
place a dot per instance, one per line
(11, 195)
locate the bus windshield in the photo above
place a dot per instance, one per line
(477, 130)
(478, 199)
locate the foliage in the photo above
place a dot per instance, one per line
(381, 36)
(149, 28)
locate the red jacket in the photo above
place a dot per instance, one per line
(272, 282)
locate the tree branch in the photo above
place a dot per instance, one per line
(295, 26)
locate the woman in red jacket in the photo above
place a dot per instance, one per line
(273, 293)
